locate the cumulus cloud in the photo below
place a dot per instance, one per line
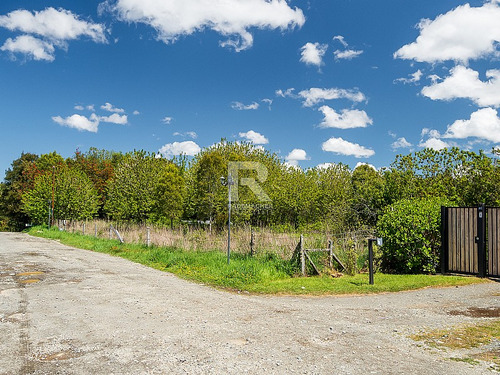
(483, 124)
(401, 143)
(347, 54)
(115, 118)
(312, 53)
(347, 119)
(79, 122)
(464, 33)
(242, 107)
(188, 148)
(315, 95)
(230, 18)
(110, 108)
(465, 83)
(296, 155)
(31, 47)
(343, 147)
(136, 112)
(413, 78)
(254, 137)
(434, 143)
(52, 27)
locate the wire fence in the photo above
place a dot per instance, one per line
(350, 246)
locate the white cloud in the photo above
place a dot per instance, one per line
(434, 143)
(254, 137)
(54, 24)
(342, 147)
(401, 143)
(312, 53)
(347, 54)
(462, 34)
(465, 83)
(348, 119)
(79, 107)
(432, 133)
(484, 124)
(167, 120)
(269, 102)
(189, 134)
(135, 113)
(110, 108)
(296, 155)
(288, 93)
(341, 39)
(30, 46)
(230, 18)
(115, 118)
(91, 107)
(54, 27)
(79, 122)
(242, 107)
(413, 78)
(188, 148)
(316, 95)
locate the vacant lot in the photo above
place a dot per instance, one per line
(70, 311)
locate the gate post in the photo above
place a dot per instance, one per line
(480, 240)
(444, 240)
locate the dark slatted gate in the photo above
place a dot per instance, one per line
(471, 240)
(493, 241)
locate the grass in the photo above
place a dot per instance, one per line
(461, 337)
(263, 274)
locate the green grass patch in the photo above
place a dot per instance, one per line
(266, 274)
(461, 337)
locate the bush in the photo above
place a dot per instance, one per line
(412, 236)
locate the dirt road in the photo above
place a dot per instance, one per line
(71, 311)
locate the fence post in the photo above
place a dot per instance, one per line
(84, 229)
(110, 226)
(148, 238)
(302, 256)
(252, 242)
(480, 240)
(330, 254)
(95, 230)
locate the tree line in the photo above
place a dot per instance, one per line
(144, 187)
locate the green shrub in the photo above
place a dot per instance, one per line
(412, 236)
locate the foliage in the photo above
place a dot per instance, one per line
(74, 196)
(411, 232)
(368, 191)
(264, 274)
(135, 188)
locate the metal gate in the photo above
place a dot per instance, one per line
(471, 240)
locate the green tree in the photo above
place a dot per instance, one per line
(134, 189)
(170, 193)
(412, 236)
(75, 196)
(368, 194)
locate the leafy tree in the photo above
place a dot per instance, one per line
(75, 196)
(135, 187)
(170, 193)
(14, 218)
(412, 237)
(368, 191)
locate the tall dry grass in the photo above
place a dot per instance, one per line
(350, 247)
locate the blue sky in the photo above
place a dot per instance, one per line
(315, 81)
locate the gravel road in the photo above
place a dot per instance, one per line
(70, 311)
